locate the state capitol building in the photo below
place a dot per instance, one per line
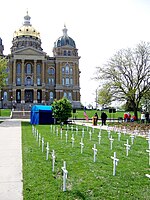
(36, 78)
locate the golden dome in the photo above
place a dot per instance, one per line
(27, 29)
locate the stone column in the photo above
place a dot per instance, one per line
(35, 81)
(23, 74)
(14, 73)
(43, 73)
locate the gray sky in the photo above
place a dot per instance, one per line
(99, 28)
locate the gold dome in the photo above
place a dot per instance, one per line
(27, 29)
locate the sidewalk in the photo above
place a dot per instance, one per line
(11, 185)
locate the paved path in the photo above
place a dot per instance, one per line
(11, 185)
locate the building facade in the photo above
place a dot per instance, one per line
(33, 76)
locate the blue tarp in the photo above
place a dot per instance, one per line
(41, 115)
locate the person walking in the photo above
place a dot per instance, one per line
(142, 117)
(103, 117)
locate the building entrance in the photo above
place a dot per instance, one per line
(28, 96)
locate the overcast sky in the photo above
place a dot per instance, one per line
(99, 28)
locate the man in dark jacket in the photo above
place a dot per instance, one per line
(103, 117)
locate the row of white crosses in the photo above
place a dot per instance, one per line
(38, 139)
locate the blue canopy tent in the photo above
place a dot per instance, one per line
(41, 115)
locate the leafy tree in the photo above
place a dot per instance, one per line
(3, 74)
(62, 109)
(128, 74)
(104, 96)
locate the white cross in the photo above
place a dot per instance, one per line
(83, 132)
(132, 139)
(35, 132)
(72, 138)
(71, 128)
(61, 133)
(87, 128)
(111, 141)
(119, 136)
(42, 144)
(76, 130)
(90, 133)
(66, 136)
(51, 127)
(53, 160)
(57, 131)
(99, 137)
(127, 147)
(115, 162)
(148, 139)
(108, 133)
(39, 140)
(92, 130)
(65, 172)
(81, 143)
(95, 152)
(47, 152)
(149, 155)
(37, 135)
(32, 129)
(147, 175)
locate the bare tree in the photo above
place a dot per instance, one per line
(128, 74)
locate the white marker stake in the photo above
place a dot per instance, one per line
(72, 140)
(81, 143)
(149, 155)
(127, 147)
(65, 172)
(76, 130)
(39, 140)
(66, 136)
(51, 128)
(119, 136)
(115, 162)
(148, 139)
(53, 160)
(83, 132)
(111, 141)
(42, 144)
(147, 175)
(61, 133)
(99, 138)
(132, 139)
(90, 133)
(108, 133)
(47, 151)
(95, 152)
(37, 136)
(32, 129)
(57, 131)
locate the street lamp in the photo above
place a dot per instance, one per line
(11, 101)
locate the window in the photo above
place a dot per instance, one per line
(51, 96)
(28, 81)
(18, 95)
(38, 81)
(5, 96)
(69, 53)
(63, 70)
(63, 81)
(71, 71)
(51, 81)
(38, 69)
(69, 96)
(18, 68)
(71, 81)
(65, 94)
(6, 80)
(39, 96)
(65, 53)
(51, 71)
(28, 68)
(67, 69)
(67, 81)
(18, 81)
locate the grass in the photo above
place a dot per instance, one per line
(86, 179)
(5, 112)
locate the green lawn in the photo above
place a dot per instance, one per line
(5, 112)
(86, 179)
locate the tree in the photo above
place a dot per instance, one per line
(3, 73)
(128, 74)
(104, 96)
(62, 109)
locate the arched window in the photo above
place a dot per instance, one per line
(69, 53)
(28, 68)
(38, 81)
(65, 53)
(39, 96)
(18, 82)
(5, 96)
(70, 96)
(63, 81)
(67, 69)
(38, 69)
(63, 70)
(51, 96)
(51, 71)
(18, 68)
(65, 94)
(71, 71)
(18, 96)
(28, 81)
